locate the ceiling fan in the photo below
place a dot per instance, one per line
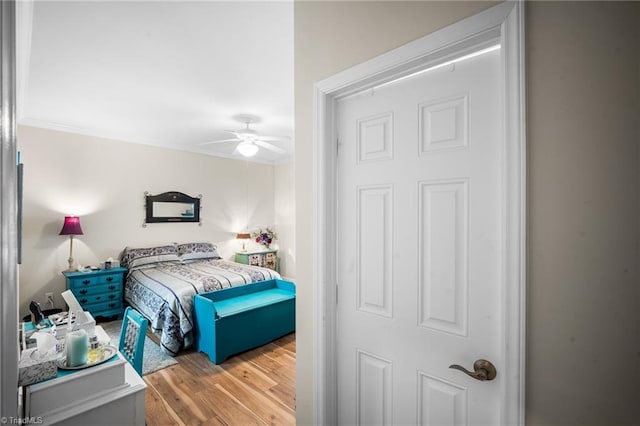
(249, 140)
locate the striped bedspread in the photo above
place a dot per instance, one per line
(164, 293)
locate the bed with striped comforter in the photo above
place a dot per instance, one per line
(163, 292)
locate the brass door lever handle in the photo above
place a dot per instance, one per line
(484, 370)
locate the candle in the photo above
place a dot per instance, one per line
(77, 346)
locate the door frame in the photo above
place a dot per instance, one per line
(504, 22)
(8, 215)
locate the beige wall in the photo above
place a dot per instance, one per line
(582, 69)
(103, 181)
(584, 104)
(285, 218)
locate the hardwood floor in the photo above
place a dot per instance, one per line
(253, 388)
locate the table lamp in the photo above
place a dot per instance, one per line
(243, 236)
(71, 227)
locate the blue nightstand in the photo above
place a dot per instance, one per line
(99, 292)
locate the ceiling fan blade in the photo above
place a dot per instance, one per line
(221, 140)
(273, 138)
(270, 147)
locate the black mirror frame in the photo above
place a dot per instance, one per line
(171, 197)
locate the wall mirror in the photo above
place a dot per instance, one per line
(171, 207)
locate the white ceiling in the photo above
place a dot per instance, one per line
(172, 74)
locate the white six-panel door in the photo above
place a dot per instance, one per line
(420, 247)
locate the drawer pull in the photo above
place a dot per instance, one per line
(112, 287)
(85, 282)
(99, 297)
(109, 279)
(112, 296)
(83, 300)
(112, 305)
(84, 291)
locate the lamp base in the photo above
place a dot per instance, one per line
(72, 267)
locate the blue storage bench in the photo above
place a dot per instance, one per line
(240, 318)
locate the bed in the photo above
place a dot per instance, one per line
(162, 280)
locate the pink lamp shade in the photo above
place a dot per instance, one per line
(71, 226)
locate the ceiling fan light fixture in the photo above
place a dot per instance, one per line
(247, 149)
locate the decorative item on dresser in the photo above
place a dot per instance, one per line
(265, 236)
(264, 258)
(99, 292)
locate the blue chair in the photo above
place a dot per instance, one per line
(132, 335)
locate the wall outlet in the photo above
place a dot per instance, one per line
(49, 297)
